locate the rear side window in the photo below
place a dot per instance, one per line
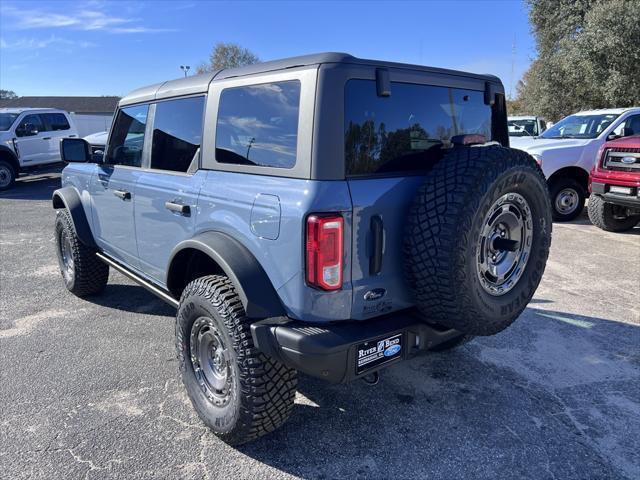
(127, 138)
(177, 134)
(409, 130)
(56, 121)
(258, 125)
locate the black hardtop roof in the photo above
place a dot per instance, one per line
(334, 57)
(200, 83)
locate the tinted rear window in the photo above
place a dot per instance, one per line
(409, 130)
(258, 125)
(177, 133)
(56, 121)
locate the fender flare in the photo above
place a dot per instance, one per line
(13, 158)
(69, 198)
(259, 298)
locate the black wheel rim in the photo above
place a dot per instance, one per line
(504, 245)
(66, 256)
(211, 360)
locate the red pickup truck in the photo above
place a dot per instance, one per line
(614, 183)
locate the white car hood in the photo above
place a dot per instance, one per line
(539, 145)
(98, 138)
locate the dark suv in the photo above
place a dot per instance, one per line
(321, 214)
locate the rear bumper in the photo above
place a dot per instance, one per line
(330, 352)
(632, 200)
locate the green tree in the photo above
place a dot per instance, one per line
(228, 55)
(7, 94)
(588, 56)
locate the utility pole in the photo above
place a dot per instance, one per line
(185, 69)
(513, 66)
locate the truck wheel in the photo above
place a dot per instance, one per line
(83, 273)
(237, 391)
(477, 239)
(7, 175)
(567, 199)
(610, 217)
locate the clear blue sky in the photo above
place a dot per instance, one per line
(111, 47)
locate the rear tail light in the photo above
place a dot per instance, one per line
(324, 251)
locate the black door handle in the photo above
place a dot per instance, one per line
(178, 208)
(122, 194)
(46, 138)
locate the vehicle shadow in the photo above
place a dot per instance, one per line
(534, 401)
(583, 219)
(37, 186)
(132, 298)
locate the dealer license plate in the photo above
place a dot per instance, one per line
(622, 190)
(376, 352)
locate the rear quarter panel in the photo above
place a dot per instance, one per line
(226, 202)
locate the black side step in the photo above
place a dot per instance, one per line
(156, 290)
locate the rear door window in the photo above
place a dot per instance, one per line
(258, 125)
(56, 121)
(410, 129)
(177, 134)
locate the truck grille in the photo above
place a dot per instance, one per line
(622, 159)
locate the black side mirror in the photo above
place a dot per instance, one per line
(612, 136)
(74, 150)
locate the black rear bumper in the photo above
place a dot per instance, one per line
(329, 351)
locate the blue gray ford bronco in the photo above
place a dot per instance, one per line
(322, 214)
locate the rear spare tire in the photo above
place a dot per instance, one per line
(478, 238)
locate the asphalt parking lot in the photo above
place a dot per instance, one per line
(89, 388)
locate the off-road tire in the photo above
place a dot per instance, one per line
(89, 274)
(443, 229)
(602, 215)
(453, 343)
(9, 170)
(263, 391)
(558, 186)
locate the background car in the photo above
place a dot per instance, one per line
(30, 137)
(614, 184)
(567, 151)
(524, 126)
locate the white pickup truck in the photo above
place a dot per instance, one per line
(566, 152)
(30, 137)
(524, 126)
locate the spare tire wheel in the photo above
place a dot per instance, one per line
(478, 238)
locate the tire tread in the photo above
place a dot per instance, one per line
(267, 386)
